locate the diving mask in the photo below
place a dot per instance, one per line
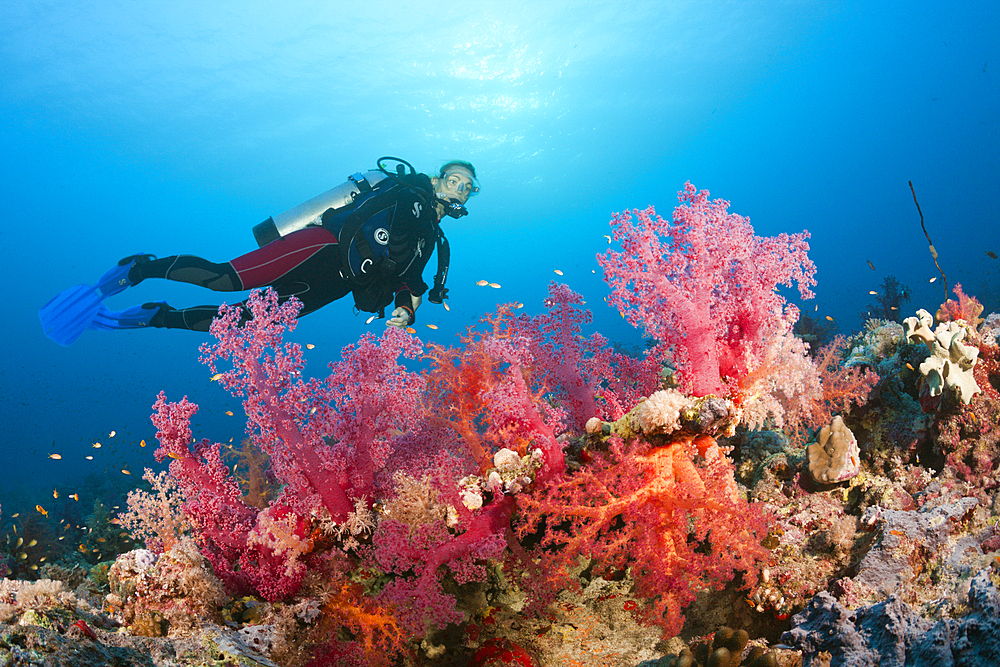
(460, 183)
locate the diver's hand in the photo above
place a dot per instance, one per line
(401, 317)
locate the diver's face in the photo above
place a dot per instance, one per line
(456, 183)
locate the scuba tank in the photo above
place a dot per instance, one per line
(310, 212)
(362, 241)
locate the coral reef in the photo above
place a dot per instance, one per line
(536, 496)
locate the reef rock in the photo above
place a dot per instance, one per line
(893, 634)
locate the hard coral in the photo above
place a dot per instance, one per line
(835, 457)
(951, 361)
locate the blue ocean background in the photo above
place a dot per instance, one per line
(175, 127)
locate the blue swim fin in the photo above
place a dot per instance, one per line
(69, 313)
(73, 310)
(136, 317)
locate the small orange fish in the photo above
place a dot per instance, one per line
(897, 532)
(482, 283)
(229, 412)
(101, 539)
(89, 458)
(125, 472)
(910, 366)
(411, 330)
(932, 279)
(495, 285)
(558, 272)
(829, 318)
(55, 493)
(42, 510)
(447, 307)
(175, 455)
(873, 292)
(75, 497)
(55, 456)
(432, 326)
(112, 434)
(608, 238)
(310, 346)
(142, 443)
(215, 377)
(96, 445)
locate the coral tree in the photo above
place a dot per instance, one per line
(705, 285)
(398, 487)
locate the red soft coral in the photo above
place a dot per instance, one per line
(680, 526)
(704, 285)
(965, 308)
(367, 402)
(969, 435)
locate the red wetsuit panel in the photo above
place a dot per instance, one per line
(266, 265)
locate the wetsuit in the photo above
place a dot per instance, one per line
(307, 265)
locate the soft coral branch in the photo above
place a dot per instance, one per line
(703, 284)
(680, 526)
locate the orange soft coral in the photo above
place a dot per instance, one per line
(378, 639)
(671, 514)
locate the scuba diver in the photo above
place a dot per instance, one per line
(372, 236)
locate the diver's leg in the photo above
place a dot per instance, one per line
(188, 269)
(196, 318)
(303, 264)
(260, 267)
(315, 283)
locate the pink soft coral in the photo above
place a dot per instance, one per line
(704, 285)
(366, 402)
(583, 374)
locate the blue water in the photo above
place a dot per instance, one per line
(174, 127)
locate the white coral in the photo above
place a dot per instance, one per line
(661, 412)
(951, 360)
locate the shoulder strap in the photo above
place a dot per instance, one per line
(439, 292)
